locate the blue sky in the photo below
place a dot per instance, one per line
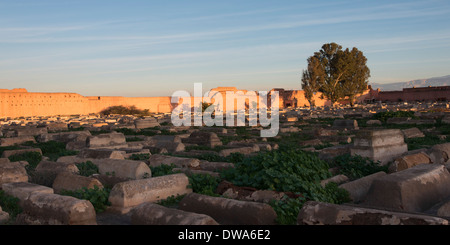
(153, 48)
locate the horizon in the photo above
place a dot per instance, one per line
(152, 49)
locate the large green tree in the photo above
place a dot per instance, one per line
(336, 73)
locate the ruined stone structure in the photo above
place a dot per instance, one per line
(21, 103)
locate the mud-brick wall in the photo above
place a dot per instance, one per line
(17, 103)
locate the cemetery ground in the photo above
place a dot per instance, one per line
(369, 165)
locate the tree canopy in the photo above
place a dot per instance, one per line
(335, 72)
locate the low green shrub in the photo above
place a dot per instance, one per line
(287, 209)
(285, 169)
(33, 158)
(125, 110)
(162, 170)
(87, 168)
(52, 149)
(385, 115)
(204, 184)
(140, 156)
(171, 202)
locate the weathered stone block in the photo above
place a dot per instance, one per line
(56, 167)
(128, 169)
(157, 160)
(12, 172)
(126, 195)
(215, 166)
(65, 137)
(72, 182)
(440, 153)
(345, 124)
(153, 214)
(358, 188)
(228, 211)
(373, 122)
(9, 153)
(57, 126)
(101, 153)
(412, 133)
(16, 140)
(4, 216)
(30, 131)
(414, 189)
(170, 146)
(379, 145)
(318, 213)
(243, 150)
(110, 141)
(146, 123)
(209, 139)
(53, 209)
(409, 161)
(165, 138)
(22, 190)
(444, 209)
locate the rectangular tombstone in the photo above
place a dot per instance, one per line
(111, 141)
(127, 169)
(412, 133)
(229, 211)
(101, 153)
(209, 139)
(22, 190)
(30, 131)
(53, 209)
(16, 140)
(9, 153)
(57, 126)
(319, 213)
(65, 137)
(440, 153)
(243, 150)
(414, 189)
(345, 124)
(165, 138)
(12, 172)
(379, 145)
(71, 182)
(358, 188)
(126, 195)
(409, 161)
(154, 214)
(146, 123)
(158, 159)
(4, 216)
(56, 167)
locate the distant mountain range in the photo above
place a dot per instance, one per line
(433, 82)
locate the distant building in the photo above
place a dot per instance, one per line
(414, 94)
